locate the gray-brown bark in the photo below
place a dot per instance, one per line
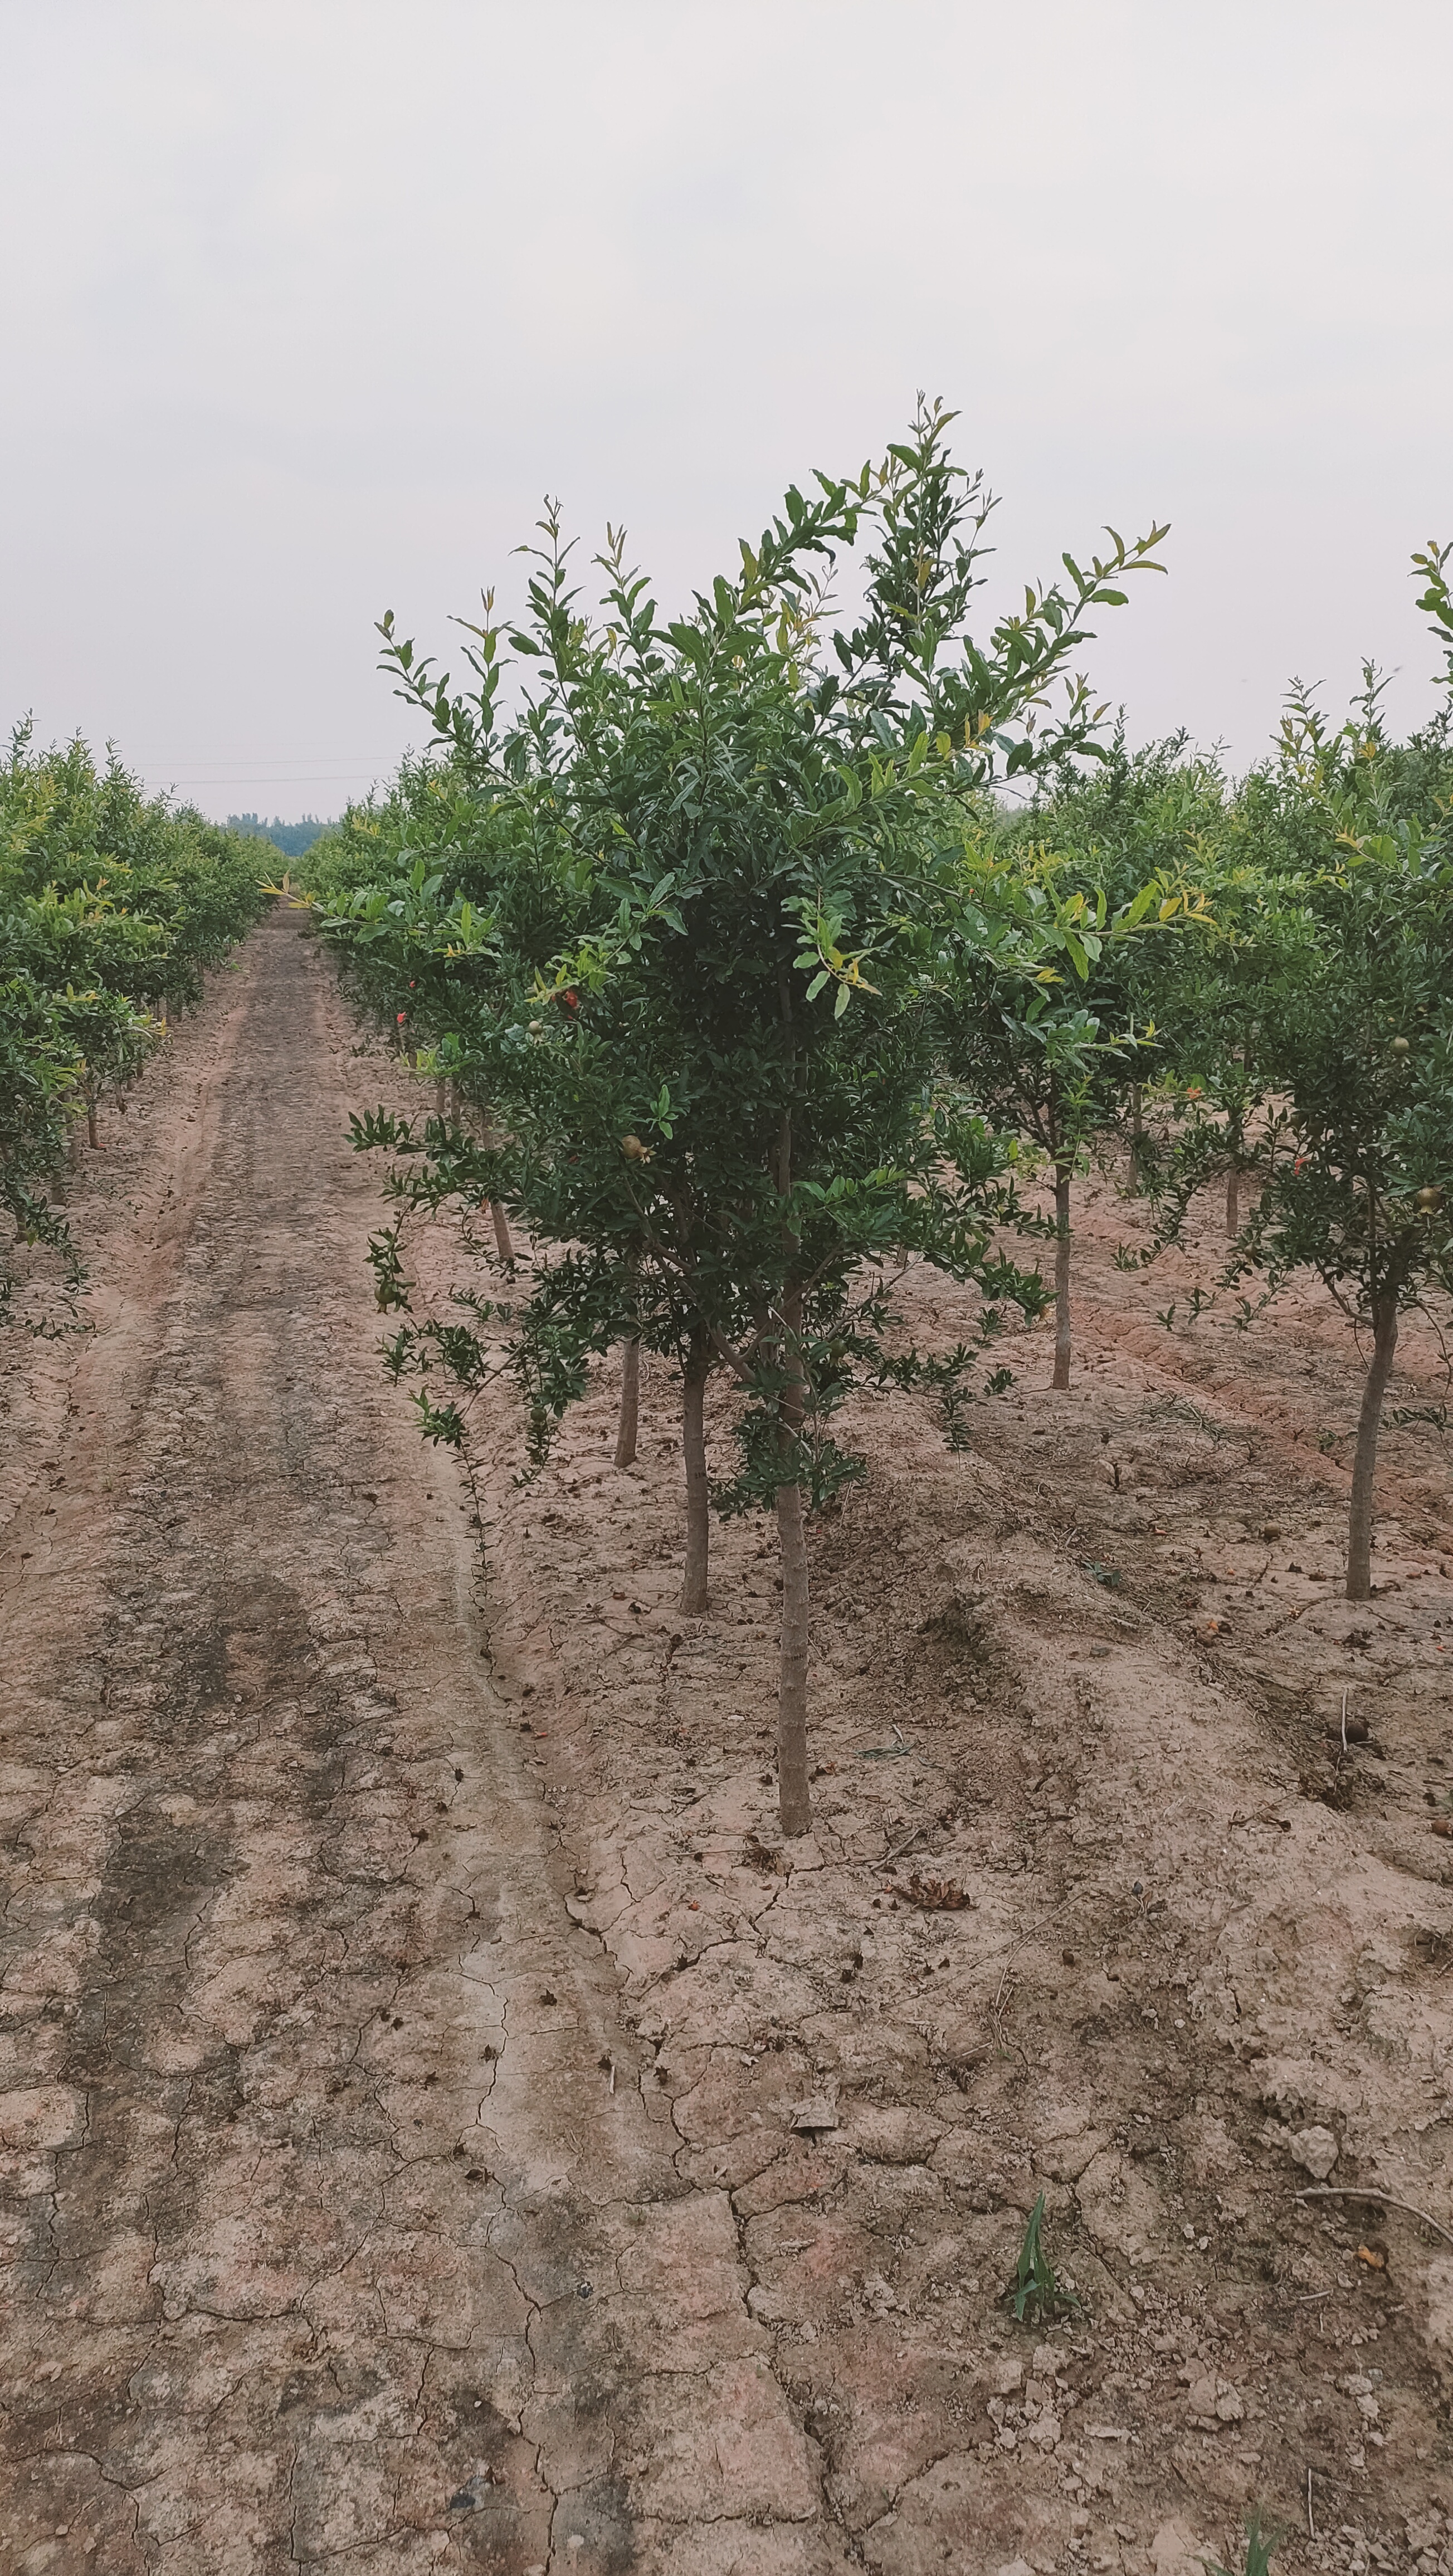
(1364, 1464)
(1062, 1174)
(698, 1492)
(630, 1403)
(502, 1243)
(794, 1802)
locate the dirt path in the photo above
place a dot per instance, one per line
(443, 2127)
(338, 2227)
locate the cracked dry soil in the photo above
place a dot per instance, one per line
(411, 2013)
(327, 2242)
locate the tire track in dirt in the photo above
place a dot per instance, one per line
(336, 2227)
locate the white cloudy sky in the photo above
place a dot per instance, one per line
(305, 305)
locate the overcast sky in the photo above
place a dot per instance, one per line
(305, 305)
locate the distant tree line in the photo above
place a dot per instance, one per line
(291, 838)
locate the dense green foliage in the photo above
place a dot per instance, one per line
(754, 958)
(686, 926)
(759, 988)
(110, 908)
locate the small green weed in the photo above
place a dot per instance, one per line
(1403, 1416)
(1176, 1408)
(1262, 2539)
(1034, 2284)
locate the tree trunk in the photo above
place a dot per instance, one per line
(454, 1099)
(1137, 1130)
(1233, 1201)
(630, 1402)
(1364, 1464)
(1062, 1172)
(794, 1803)
(91, 1136)
(502, 1243)
(698, 1493)
(439, 1096)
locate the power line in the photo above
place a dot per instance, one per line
(331, 769)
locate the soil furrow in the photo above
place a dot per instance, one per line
(328, 2239)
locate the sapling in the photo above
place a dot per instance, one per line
(1359, 1151)
(1046, 1044)
(726, 1124)
(1035, 2285)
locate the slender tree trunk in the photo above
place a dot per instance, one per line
(454, 1098)
(1062, 1175)
(794, 1802)
(630, 1402)
(698, 1495)
(439, 1096)
(1137, 1130)
(1364, 1464)
(1233, 1200)
(502, 1243)
(91, 1136)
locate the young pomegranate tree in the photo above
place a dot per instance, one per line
(734, 1126)
(1050, 1044)
(1161, 815)
(1356, 1181)
(1356, 1032)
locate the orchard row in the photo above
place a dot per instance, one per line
(110, 907)
(755, 954)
